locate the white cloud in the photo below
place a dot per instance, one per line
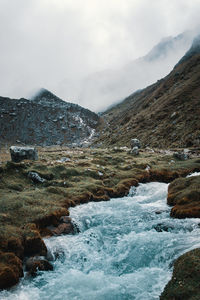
(57, 43)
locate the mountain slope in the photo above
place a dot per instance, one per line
(165, 114)
(45, 120)
(111, 86)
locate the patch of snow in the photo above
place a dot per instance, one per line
(193, 174)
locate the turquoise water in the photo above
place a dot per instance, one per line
(124, 250)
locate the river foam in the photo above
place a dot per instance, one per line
(125, 250)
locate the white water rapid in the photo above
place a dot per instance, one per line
(125, 250)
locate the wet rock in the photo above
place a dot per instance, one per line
(135, 143)
(37, 263)
(65, 219)
(163, 227)
(64, 229)
(35, 177)
(158, 212)
(20, 153)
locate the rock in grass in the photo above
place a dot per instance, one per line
(135, 151)
(135, 143)
(181, 155)
(20, 153)
(35, 177)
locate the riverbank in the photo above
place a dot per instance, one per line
(29, 208)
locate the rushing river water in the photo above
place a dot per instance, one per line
(124, 250)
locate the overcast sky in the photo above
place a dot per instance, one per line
(51, 43)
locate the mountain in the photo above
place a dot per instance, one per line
(165, 114)
(108, 87)
(45, 120)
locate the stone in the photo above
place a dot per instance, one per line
(135, 150)
(35, 177)
(135, 143)
(163, 227)
(181, 155)
(37, 263)
(20, 153)
(65, 219)
(63, 229)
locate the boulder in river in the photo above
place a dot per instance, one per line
(37, 263)
(64, 228)
(20, 153)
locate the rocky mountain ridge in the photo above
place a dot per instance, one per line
(45, 120)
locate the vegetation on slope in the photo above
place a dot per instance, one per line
(165, 114)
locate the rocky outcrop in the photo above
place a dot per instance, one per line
(20, 153)
(45, 120)
(184, 284)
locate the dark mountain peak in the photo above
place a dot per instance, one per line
(44, 93)
(45, 97)
(167, 44)
(194, 49)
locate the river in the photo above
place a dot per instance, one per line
(124, 250)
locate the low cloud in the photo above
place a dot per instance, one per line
(60, 44)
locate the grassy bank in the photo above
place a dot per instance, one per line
(69, 177)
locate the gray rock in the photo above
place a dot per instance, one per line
(35, 177)
(37, 263)
(20, 153)
(135, 150)
(135, 143)
(181, 155)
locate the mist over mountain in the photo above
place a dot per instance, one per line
(111, 86)
(165, 114)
